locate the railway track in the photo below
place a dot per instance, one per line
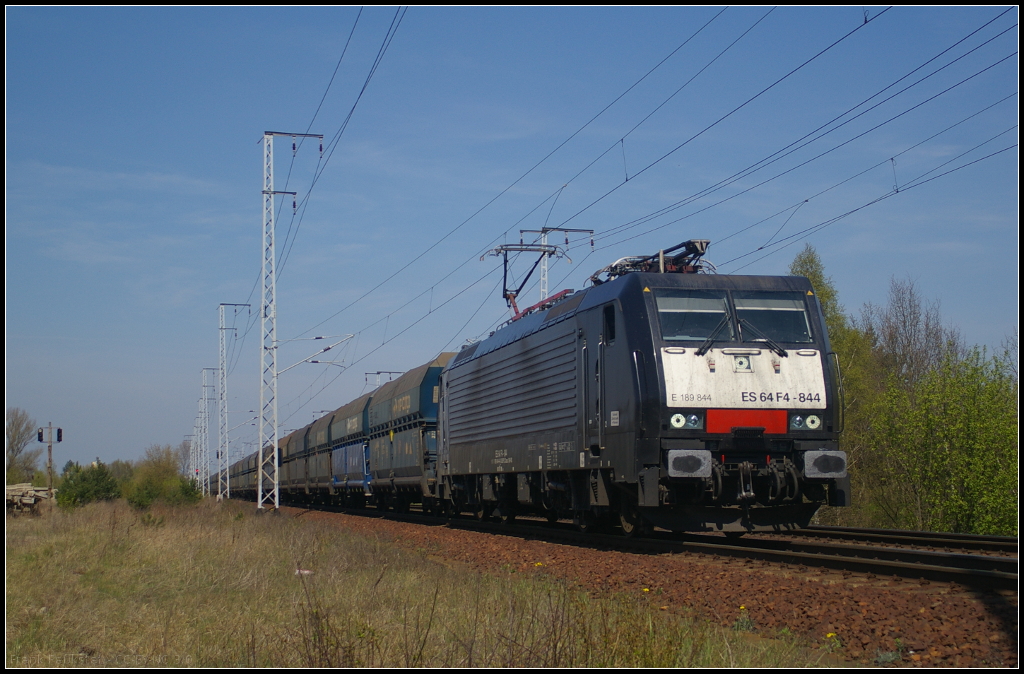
(881, 560)
(1001, 544)
(966, 569)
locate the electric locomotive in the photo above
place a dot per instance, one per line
(659, 396)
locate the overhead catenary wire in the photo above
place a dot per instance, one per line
(515, 182)
(287, 247)
(737, 176)
(309, 126)
(821, 192)
(652, 230)
(387, 341)
(806, 231)
(726, 115)
(332, 144)
(789, 240)
(799, 144)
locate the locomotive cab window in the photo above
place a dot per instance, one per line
(781, 316)
(693, 314)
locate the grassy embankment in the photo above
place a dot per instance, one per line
(216, 585)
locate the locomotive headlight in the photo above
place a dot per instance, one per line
(686, 421)
(811, 422)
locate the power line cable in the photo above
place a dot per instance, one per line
(689, 200)
(635, 127)
(385, 342)
(287, 247)
(564, 142)
(818, 194)
(302, 140)
(332, 145)
(781, 153)
(726, 116)
(627, 239)
(515, 182)
(793, 238)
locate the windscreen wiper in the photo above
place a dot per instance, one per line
(768, 340)
(711, 338)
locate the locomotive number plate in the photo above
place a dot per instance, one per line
(779, 396)
(765, 382)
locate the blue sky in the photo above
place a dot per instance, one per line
(134, 175)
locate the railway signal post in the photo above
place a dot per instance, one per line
(49, 452)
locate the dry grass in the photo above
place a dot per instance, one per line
(216, 585)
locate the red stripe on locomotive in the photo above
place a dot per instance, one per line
(723, 421)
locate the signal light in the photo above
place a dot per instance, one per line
(60, 435)
(40, 435)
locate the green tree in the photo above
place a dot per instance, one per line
(85, 485)
(122, 471)
(931, 425)
(808, 263)
(853, 347)
(156, 477)
(946, 447)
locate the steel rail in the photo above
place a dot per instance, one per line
(905, 537)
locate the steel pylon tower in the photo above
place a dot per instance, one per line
(195, 445)
(204, 425)
(268, 491)
(223, 488)
(224, 453)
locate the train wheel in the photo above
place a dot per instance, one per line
(507, 515)
(585, 522)
(483, 513)
(631, 522)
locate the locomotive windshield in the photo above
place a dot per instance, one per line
(781, 316)
(693, 314)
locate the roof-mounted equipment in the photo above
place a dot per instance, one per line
(689, 260)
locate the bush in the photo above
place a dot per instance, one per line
(156, 478)
(172, 490)
(84, 485)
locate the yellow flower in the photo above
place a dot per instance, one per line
(743, 608)
(830, 635)
(647, 589)
(539, 564)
